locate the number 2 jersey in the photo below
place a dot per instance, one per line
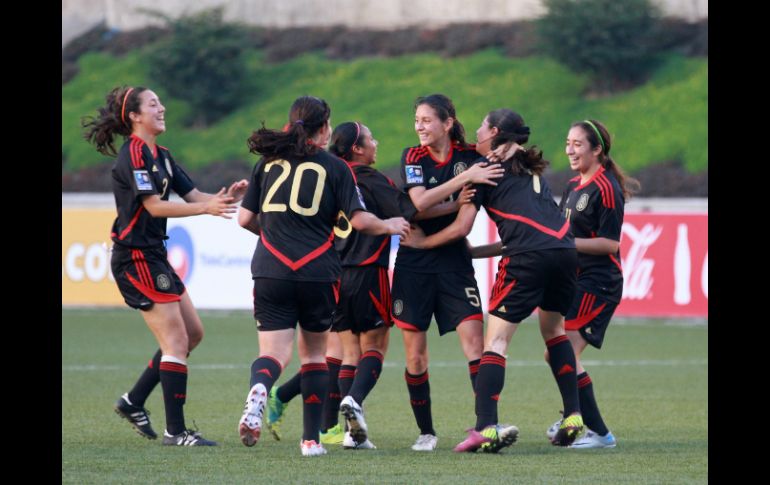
(526, 215)
(137, 172)
(420, 169)
(298, 202)
(595, 209)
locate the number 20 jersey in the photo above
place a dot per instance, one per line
(298, 202)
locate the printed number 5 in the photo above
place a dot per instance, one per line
(473, 296)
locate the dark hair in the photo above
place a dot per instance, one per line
(112, 119)
(445, 109)
(345, 136)
(511, 128)
(593, 130)
(307, 115)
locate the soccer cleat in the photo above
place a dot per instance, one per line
(311, 448)
(333, 435)
(250, 425)
(473, 442)
(593, 440)
(551, 432)
(137, 416)
(570, 428)
(425, 442)
(275, 409)
(350, 444)
(187, 437)
(502, 435)
(355, 419)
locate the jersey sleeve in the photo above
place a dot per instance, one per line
(412, 174)
(611, 218)
(181, 183)
(349, 198)
(389, 199)
(137, 178)
(251, 199)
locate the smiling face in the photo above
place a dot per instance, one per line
(151, 116)
(484, 136)
(430, 129)
(366, 150)
(582, 158)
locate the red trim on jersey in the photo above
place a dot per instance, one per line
(296, 265)
(350, 167)
(135, 148)
(371, 259)
(575, 179)
(608, 194)
(556, 340)
(617, 263)
(582, 321)
(415, 153)
(173, 367)
(475, 316)
(155, 296)
(440, 163)
(530, 222)
(588, 182)
(380, 307)
(405, 326)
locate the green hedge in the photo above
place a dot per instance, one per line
(665, 119)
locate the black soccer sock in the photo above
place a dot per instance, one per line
(315, 383)
(473, 372)
(419, 398)
(369, 370)
(333, 398)
(173, 380)
(588, 407)
(265, 370)
(345, 379)
(562, 362)
(489, 384)
(289, 389)
(147, 381)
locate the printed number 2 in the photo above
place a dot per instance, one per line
(473, 296)
(269, 206)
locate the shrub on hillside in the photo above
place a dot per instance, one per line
(610, 40)
(200, 62)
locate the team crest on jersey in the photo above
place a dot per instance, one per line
(459, 168)
(398, 307)
(164, 282)
(142, 180)
(582, 202)
(414, 174)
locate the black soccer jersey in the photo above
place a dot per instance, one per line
(298, 202)
(526, 215)
(420, 169)
(595, 209)
(385, 200)
(137, 172)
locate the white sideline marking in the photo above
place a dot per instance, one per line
(510, 363)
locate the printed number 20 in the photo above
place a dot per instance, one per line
(269, 206)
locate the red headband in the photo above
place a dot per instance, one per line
(123, 110)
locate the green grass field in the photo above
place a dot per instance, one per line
(651, 380)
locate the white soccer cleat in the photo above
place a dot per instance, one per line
(355, 419)
(425, 442)
(311, 448)
(551, 432)
(593, 440)
(350, 444)
(250, 425)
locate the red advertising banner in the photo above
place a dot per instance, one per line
(665, 265)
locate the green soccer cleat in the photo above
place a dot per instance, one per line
(275, 409)
(569, 430)
(333, 435)
(502, 436)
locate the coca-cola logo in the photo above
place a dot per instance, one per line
(637, 269)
